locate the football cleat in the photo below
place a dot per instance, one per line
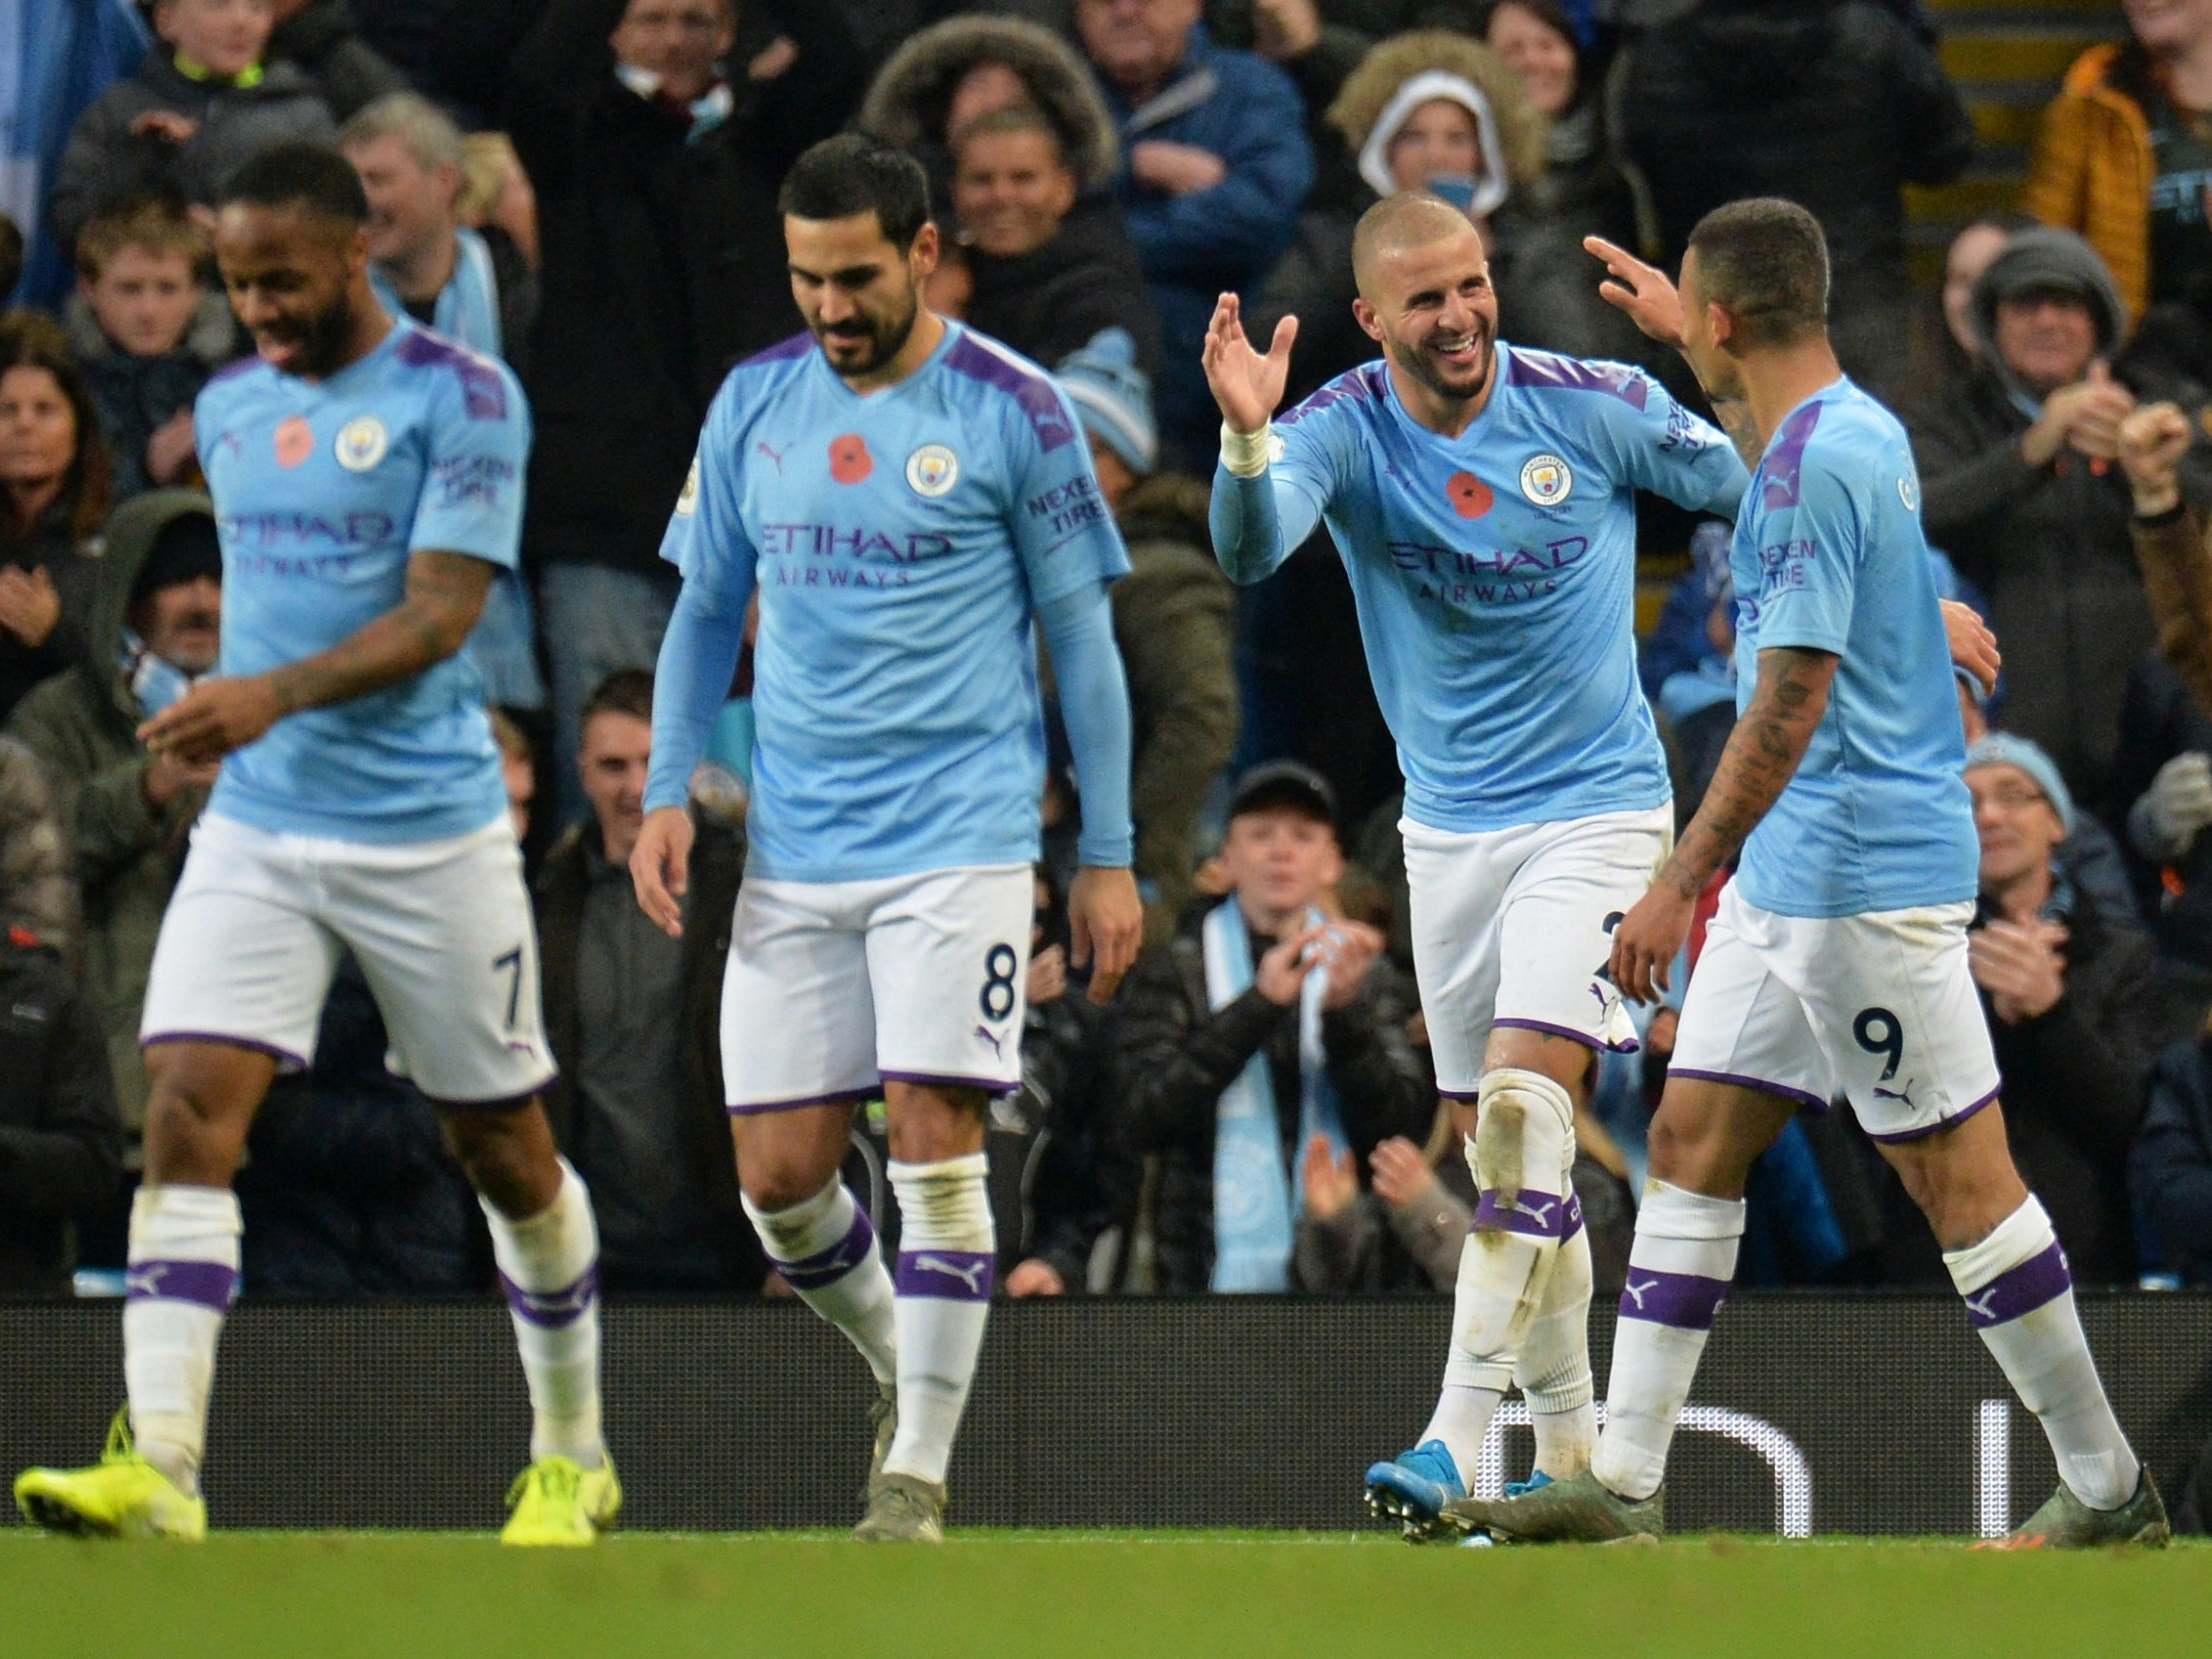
(2066, 1523)
(558, 1502)
(903, 1510)
(121, 1496)
(1577, 1510)
(1413, 1487)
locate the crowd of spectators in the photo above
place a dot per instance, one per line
(586, 188)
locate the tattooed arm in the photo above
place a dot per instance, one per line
(1762, 755)
(444, 597)
(1733, 416)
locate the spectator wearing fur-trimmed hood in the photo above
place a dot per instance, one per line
(952, 72)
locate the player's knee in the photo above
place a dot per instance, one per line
(771, 1183)
(507, 1157)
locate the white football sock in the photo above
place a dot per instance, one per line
(183, 1277)
(948, 1250)
(825, 1248)
(549, 1267)
(1523, 1139)
(1553, 1368)
(1679, 1271)
(2020, 1295)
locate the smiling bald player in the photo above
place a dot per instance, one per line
(1483, 500)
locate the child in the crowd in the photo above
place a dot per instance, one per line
(138, 276)
(197, 106)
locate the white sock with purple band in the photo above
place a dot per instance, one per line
(1553, 1367)
(2020, 1295)
(183, 1278)
(825, 1248)
(549, 1268)
(948, 1249)
(1525, 1124)
(1679, 1270)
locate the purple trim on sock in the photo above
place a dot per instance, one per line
(760, 1108)
(1805, 1098)
(210, 1284)
(2042, 1278)
(1955, 1119)
(826, 1267)
(949, 1080)
(1572, 1035)
(1463, 1097)
(554, 1308)
(1537, 1214)
(498, 1103)
(1687, 1301)
(1574, 1218)
(953, 1275)
(253, 1045)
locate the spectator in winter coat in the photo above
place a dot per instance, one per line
(2171, 1166)
(2078, 1009)
(1045, 270)
(1836, 104)
(663, 263)
(1260, 1028)
(2019, 487)
(59, 1146)
(196, 107)
(1215, 167)
(54, 491)
(153, 627)
(2125, 153)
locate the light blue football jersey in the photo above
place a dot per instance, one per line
(323, 490)
(1495, 576)
(1829, 554)
(899, 542)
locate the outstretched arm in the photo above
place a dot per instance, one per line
(1258, 520)
(1769, 740)
(445, 595)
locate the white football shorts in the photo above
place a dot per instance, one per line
(835, 988)
(1514, 927)
(1880, 1008)
(442, 930)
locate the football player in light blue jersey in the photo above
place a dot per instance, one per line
(909, 501)
(1837, 960)
(1482, 498)
(367, 481)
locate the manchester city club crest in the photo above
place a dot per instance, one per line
(1908, 491)
(362, 443)
(1547, 480)
(687, 502)
(932, 470)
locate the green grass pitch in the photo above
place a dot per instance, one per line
(1073, 1595)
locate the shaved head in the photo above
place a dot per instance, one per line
(1409, 219)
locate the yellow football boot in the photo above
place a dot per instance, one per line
(121, 1496)
(558, 1502)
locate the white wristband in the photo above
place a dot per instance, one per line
(1246, 454)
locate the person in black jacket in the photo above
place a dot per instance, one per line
(1836, 104)
(61, 1144)
(633, 1019)
(2078, 1006)
(2171, 1166)
(1047, 269)
(662, 265)
(1197, 1054)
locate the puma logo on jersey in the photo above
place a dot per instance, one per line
(775, 455)
(1904, 1094)
(998, 1048)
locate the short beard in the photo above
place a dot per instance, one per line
(885, 341)
(1416, 362)
(324, 341)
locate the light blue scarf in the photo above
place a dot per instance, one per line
(1256, 1199)
(468, 305)
(155, 681)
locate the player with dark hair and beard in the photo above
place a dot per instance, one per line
(910, 501)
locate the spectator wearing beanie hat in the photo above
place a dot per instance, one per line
(2021, 488)
(1171, 620)
(2078, 1009)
